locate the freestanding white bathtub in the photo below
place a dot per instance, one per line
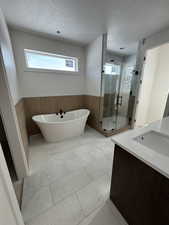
(54, 128)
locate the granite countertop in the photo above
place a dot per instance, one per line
(156, 160)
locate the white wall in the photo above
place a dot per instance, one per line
(125, 61)
(127, 78)
(94, 67)
(111, 56)
(9, 61)
(146, 89)
(9, 208)
(8, 97)
(110, 82)
(51, 83)
(155, 87)
(153, 41)
(130, 60)
(34, 84)
(160, 89)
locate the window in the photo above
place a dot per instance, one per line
(112, 69)
(49, 61)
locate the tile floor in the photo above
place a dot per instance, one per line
(114, 122)
(69, 182)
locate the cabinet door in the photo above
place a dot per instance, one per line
(163, 201)
(133, 189)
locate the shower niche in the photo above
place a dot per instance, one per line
(118, 84)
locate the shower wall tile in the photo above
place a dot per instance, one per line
(109, 104)
(32, 107)
(93, 103)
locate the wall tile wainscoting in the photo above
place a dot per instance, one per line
(45, 105)
(28, 107)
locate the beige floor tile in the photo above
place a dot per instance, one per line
(68, 212)
(68, 185)
(93, 195)
(70, 182)
(39, 202)
(105, 216)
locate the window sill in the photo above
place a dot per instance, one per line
(58, 72)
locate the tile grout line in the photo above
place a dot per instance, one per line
(84, 143)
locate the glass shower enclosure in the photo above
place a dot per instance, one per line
(118, 77)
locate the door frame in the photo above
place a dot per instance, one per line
(10, 196)
(145, 44)
(11, 126)
(7, 107)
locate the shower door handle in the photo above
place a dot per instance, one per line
(119, 100)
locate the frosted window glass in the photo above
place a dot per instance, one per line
(47, 61)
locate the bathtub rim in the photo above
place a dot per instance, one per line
(34, 118)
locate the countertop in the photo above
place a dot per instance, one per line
(157, 161)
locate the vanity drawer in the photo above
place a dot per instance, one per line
(131, 189)
(164, 187)
(139, 192)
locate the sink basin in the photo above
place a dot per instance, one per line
(156, 141)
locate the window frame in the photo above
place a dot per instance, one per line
(56, 71)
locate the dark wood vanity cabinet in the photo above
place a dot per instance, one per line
(139, 192)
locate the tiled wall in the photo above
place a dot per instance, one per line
(93, 104)
(28, 107)
(109, 106)
(52, 104)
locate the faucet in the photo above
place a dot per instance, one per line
(61, 112)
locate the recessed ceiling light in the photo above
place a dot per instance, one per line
(58, 32)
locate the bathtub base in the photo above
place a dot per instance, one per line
(63, 138)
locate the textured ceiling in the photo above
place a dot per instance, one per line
(82, 21)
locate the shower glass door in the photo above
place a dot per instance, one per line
(117, 80)
(112, 80)
(123, 116)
